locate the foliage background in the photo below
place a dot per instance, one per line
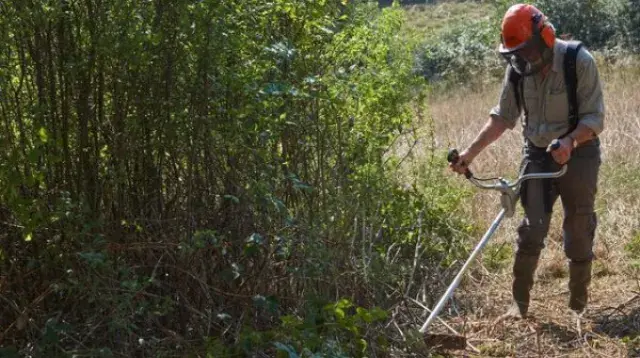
(205, 177)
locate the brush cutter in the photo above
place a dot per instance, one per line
(509, 196)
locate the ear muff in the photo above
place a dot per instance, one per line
(548, 34)
(544, 29)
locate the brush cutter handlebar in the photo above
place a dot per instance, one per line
(502, 183)
(453, 157)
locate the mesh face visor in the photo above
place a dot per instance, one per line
(529, 57)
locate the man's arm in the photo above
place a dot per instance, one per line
(590, 99)
(491, 131)
(581, 134)
(501, 117)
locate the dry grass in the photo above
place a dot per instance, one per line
(612, 324)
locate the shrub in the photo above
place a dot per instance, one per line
(461, 53)
(597, 23)
(180, 177)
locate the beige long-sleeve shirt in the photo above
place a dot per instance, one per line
(547, 103)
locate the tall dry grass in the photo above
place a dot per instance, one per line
(456, 118)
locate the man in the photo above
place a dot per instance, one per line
(530, 46)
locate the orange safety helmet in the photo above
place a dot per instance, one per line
(527, 39)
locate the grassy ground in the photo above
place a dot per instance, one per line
(611, 326)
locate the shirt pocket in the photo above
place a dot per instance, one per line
(556, 105)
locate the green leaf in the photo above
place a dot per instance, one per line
(259, 300)
(310, 80)
(254, 242)
(279, 205)
(299, 184)
(251, 250)
(132, 285)
(273, 89)
(344, 303)
(290, 321)
(232, 198)
(364, 314)
(94, 259)
(269, 302)
(232, 273)
(42, 133)
(286, 348)
(363, 345)
(52, 331)
(256, 239)
(378, 314)
(326, 30)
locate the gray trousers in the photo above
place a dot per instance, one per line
(577, 191)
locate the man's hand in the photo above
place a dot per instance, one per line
(563, 153)
(462, 165)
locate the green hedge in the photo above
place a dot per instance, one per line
(195, 177)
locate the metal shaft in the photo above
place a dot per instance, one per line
(466, 265)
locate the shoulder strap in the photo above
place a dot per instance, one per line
(516, 83)
(571, 81)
